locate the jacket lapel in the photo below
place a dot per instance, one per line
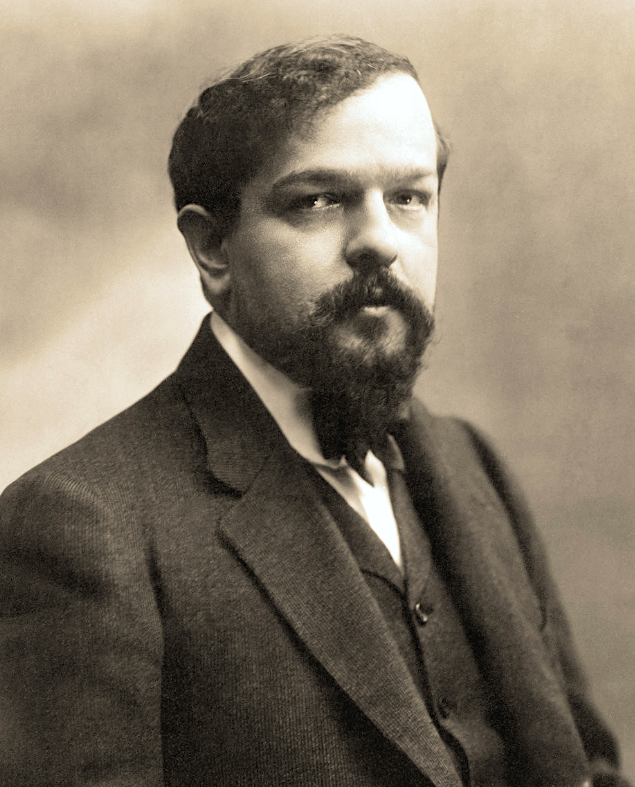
(282, 530)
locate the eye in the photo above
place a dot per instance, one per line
(315, 201)
(411, 199)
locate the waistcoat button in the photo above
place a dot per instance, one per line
(422, 615)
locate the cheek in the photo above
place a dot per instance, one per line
(279, 280)
(419, 271)
(297, 265)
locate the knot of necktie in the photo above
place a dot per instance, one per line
(356, 451)
(356, 459)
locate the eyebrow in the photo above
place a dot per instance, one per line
(330, 177)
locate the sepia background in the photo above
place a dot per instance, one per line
(536, 308)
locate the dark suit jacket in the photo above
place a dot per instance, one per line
(179, 607)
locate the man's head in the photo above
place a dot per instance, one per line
(322, 250)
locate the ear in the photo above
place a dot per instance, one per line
(204, 242)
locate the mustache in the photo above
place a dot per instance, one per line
(379, 289)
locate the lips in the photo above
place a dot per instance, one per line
(369, 295)
(380, 299)
(374, 306)
(372, 296)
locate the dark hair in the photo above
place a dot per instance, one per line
(242, 119)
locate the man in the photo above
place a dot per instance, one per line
(278, 568)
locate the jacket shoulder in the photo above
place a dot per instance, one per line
(465, 449)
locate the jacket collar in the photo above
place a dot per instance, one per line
(237, 428)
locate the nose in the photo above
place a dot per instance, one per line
(372, 236)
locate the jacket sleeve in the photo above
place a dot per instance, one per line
(599, 743)
(80, 640)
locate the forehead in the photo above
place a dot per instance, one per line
(387, 127)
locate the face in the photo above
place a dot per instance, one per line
(352, 201)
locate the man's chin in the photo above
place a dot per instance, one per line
(375, 331)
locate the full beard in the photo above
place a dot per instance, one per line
(360, 381)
